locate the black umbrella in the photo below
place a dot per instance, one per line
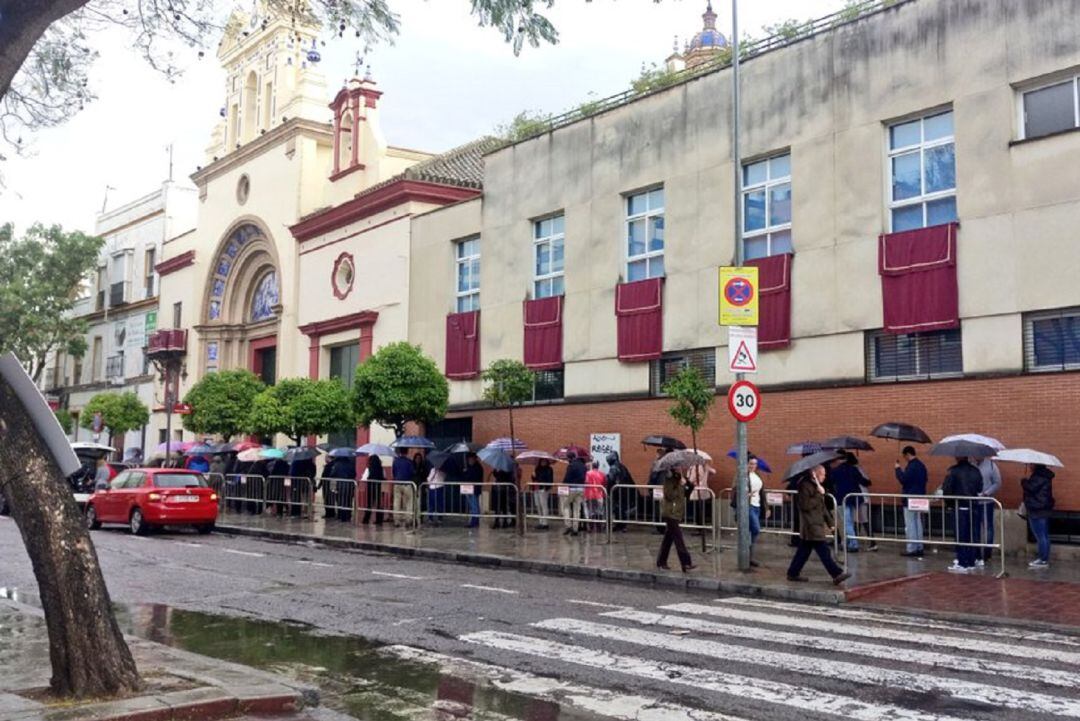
(845, 443)
(340, 452)
(663, 442)
(463, 447)
(962, 448)
(805, 464)
(804, 449)
(300, 454)
(219, 448)
(438, 459)
(901, 432)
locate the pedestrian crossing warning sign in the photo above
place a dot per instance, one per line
(742, 349)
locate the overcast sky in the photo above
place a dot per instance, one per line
(445, 82)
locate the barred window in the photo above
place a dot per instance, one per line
(1052, 340)
(663, 370)
(548, 385)
(913, 356)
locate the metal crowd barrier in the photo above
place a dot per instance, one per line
(339, 498)
(296, 494)
(634, 505)
(943, 521)
(780, 514)
(570, 507)
(245, 492)
(477, 502)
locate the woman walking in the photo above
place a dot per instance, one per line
(673, 510)
(817, 525)
(1039, 501)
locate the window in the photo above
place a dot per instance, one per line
(99, 289)
(913, 356)
(548, 239)
(148, 281)
(468, 274)
(343, 362)
(1050, 109)
(1052, 340)
(663, 370)
(114, 366)
(645, 235)
(548, 385)
(177, 314)
(767, 207)
(76, 370)
(922, 163)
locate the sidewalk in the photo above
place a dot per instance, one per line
(880, 577)
(177, 685)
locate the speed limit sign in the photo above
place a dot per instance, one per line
(744, 401)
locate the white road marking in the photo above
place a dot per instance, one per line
(189, 544)
(397, 575)
(315, 563)
(489, 588)
(855, 672)
(739, 686)
(855, 614)
(809, 623)
(593, 700)
(596, 604)
(857, 648)
(245, 553)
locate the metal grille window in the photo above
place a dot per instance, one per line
(645, 235)
(767, 207)
(1050, 109)
(1052, 340)
(114, 366)
(548, 239)
(468, 274)
(548, 385)
(913, 356)
(922, 163)
(663, 370)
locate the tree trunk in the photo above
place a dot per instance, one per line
(88, 653)
(23, 24)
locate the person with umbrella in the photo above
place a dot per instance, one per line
(474, 476)
(912, 478)
(847, 479)
(619, 475)
(570, 504)
(1038, 503)
(991, 484)
(374, 476)
(818, 523)
(964, 480)
(404, 493)
(543, 478)
(673, 510)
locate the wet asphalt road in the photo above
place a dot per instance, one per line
(619, 649)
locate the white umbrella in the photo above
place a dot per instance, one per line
(1027, 455)
(976, 438)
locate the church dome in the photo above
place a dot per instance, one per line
(708, 38)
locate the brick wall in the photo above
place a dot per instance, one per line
(1029, 411)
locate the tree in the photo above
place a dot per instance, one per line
(692, 398)
(300, 407)
(65, 419)
(45, 53)
(399, 384)
(120, 413)
(509, 383)
(221, 403)
(41, 275)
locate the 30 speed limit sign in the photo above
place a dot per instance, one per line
(744, 401)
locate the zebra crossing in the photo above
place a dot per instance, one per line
(736, 659)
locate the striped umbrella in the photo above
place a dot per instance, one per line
(510, 445)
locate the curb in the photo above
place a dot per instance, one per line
(636, 577)
(174, 706)
(858, 592)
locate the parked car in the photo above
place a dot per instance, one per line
(144, 498)
(82, 480)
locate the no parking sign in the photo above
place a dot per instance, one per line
(739, 295)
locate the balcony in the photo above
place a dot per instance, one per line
(114, 368)
(119, 293)
(167, 342)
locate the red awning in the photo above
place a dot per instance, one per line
(774, 305)
(463, 345)
(543, 333)
(640, 313)
(918, 279)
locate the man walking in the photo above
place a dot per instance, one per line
(965, 481)
(571, 500)
(404, 488)
(991, 483)
(912, 480)
(816, 527)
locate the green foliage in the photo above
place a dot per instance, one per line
(221, 403)
(788, 29)
(692, 398)
(300, 407)
(65, 419)
(524, 125)
(120, 412)
(399, 384)
(653, 78)
(40, 278)
(590, 107)
(508, 383)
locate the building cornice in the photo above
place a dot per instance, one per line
(261, 144)
(135, 221)
(175, 263)
(367, 204)
(343, 322)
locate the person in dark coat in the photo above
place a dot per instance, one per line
(817, 525)
(965, 481)
(501, 493)
(339, 487)
(474, 476)
(373, 501)
(912, 479)
(846, 479)
(657, 478)
(543, 478)
(1038, 503)
(673, 510)
(619, 475)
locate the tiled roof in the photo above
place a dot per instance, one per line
(463, 167)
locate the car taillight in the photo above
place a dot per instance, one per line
(213, 496)
(155, 496)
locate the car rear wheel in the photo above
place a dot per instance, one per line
(137, 524)
(92, 521)
(205, 528)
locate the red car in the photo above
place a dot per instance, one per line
(145, 497)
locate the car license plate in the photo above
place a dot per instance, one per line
(185, 499)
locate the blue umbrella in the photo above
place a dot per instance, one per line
(761, 464)
(342, 452)
(497, 459)
(515, 445)
(413, 442)
(374, 449)
(200, 449)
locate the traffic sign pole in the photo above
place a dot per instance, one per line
(742, 485)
